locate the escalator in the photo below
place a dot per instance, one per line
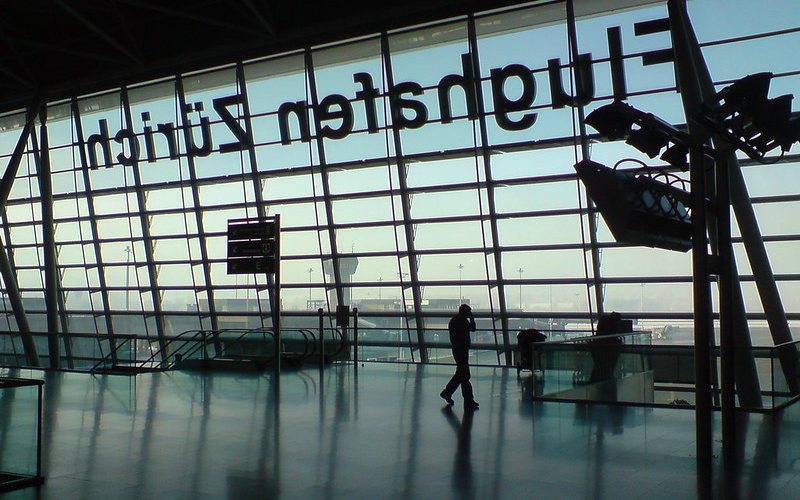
(239, 350)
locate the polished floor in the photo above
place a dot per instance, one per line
(380, 433)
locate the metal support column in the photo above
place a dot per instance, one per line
(696, 89)
(490, 196)
(51, 288)
(762, 273)
(748, 227)
(41, 158)
(10, 280)
(726, 320)
(276, 307)
(198, 215)
(404, 201)
(355, 338)
(16, 156)
(92, 213)
(148, 243)
(321, 317)
(703, 324)
(6, 269)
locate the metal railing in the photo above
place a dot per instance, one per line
(256, 345)
(671, 365)
(634, 371)
(123, 353)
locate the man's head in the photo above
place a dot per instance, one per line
(464, 310)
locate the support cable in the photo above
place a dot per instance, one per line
(386, 103)
(319, 139)
(185, 219)
(316, 197)
(141, 199)
(406, 205)
(576, 87)
(90, 206)
(261, 208)
(81, 236)
(128, 215)
(490, 197)
(188, 138)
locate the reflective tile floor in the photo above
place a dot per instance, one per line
(380, 433)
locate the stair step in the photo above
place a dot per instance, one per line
(125, 370)
(222, 365)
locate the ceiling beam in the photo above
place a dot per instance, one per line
(133, 42)
(265, 18)
(99, 32)
(24, 84)
(182, 14)
(63, 48)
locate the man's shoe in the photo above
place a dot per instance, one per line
(471, 405)
(447, 398)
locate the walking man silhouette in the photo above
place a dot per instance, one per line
(460, 326)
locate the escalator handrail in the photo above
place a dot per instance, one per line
(110, 354)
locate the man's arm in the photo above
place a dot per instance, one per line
(471, 321)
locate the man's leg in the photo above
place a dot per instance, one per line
(466, 385)
(463, 374)
(450, 388)
(455, 380)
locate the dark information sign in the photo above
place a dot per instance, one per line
(251, 265)
(251, 230)
(252, 247)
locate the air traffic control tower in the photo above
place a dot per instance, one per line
(347, 268)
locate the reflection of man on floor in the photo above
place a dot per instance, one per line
(462, 461)
(460, 326)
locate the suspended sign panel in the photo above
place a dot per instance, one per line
(639, 209)
(261, 265)
(252, 246)
(243, 230)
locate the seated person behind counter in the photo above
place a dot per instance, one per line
(525, 351)
(605, 351)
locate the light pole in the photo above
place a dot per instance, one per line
(641, 298)
(129, 251)
(310, 272)
(460, 297)
(400, 326)
(380, 280)
(520, 271)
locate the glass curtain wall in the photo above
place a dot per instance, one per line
(413, 171)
